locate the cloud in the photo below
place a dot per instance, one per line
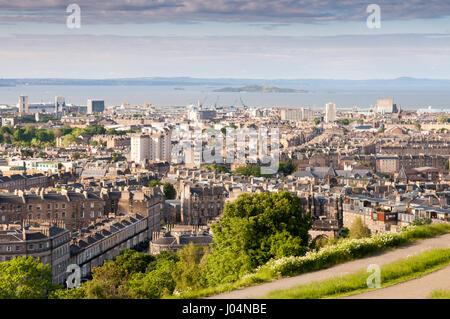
(355, 57)
(264, 11)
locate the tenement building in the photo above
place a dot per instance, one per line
(46, 240)
(201, 204)
(76, 209)
(104, 240)
(148, 202)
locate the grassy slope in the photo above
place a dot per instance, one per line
(391, 274)
(265, 275)
(440, 294)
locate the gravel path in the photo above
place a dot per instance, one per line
(419, 288)
(341, 269)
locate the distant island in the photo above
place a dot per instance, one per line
(259, 89)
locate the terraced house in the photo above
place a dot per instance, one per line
(200, 203)
(46, 240)
(104, 240)
(76, 209)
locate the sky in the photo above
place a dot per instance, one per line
(270, 39)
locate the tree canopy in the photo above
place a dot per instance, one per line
(358, 229)
(255, 228)
(169, 191)
(25, 278)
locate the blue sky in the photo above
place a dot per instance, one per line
(225, 38)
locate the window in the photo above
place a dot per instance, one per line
(92, 205)
(8, 248)
(63, 206)
(18, 248)
(49, 207)
(30, 247)
(30, 208)
(38, 207)
(99, 213)
(92, 214)
(56, 206)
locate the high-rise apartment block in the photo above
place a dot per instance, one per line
(23, 104)
(296, 114)
(385, 106)
(151, 146)
(330, 112)
(60, 103)
(95, 106)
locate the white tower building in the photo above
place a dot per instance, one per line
(330, 112)
(23, 104)
(60, 103)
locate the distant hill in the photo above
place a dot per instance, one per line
(260, 89)
(244, 85)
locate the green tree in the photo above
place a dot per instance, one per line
(115, 157)
(287, 168)
(345, 232)
(169, 191)
(75, 293)
(27, 153)
(442, 119)
(190, 270)
(131, 261)
(25, 278)
(154, 284)
(316, 121)
(358, 229)
(69, 139)
(108, 281)
(153, 183)
(250, 170)
(167, 255)
(255, 228)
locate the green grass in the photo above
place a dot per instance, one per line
(391, 274)
(440, 294)
(265, 274)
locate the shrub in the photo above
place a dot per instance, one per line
(349, 249)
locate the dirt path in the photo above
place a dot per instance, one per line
(339, 270)
(419, 288)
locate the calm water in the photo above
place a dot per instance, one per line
(169, 95)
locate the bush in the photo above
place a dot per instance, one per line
(393, 273)
(349, 249)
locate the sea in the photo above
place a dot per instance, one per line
(161, 95)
